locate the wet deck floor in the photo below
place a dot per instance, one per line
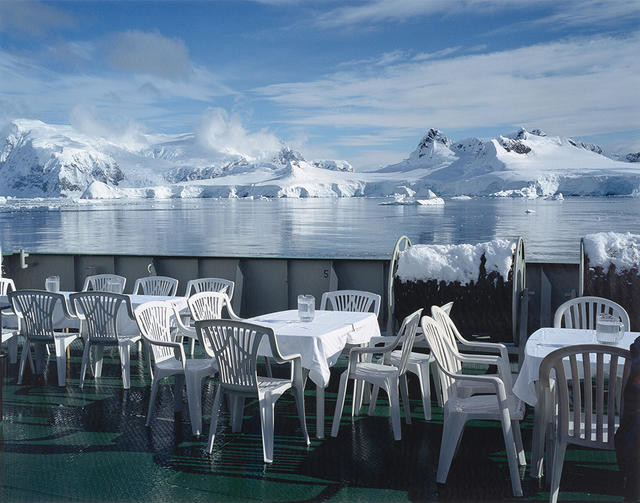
(68, 444)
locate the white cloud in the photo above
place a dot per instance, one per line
(572, 87)
(42, 93)
(142, 52)
(84, 118)
(225, 133)
(31, 17)
(564, 13)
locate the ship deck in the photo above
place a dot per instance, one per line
(68, 444)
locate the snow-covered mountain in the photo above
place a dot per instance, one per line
(42, 160)
(523, 164)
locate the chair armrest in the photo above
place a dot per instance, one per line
(502, 364)
(230, 311)
(169, 344)
(494, 347)
(496, 381)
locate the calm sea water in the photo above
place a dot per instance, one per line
(333, 228)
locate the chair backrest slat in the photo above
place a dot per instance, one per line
(103, 282)
(235, 345)
(408, 331)
(99, 312)
(443, 353)
(154, 322)
(588, 393)
(351, 300)
(582, 312)
(156, 286)
(221, 285)
(6, 285)
(35, 308)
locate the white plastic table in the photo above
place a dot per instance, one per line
(319, 342)
(542, 342)
(545, 340)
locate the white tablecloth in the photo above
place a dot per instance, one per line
(545, 340)
(319, 342)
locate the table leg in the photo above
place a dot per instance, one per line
(319, 411)
(539, 428)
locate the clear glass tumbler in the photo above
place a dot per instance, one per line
(608, 329)
(52, 284)
(306, 307)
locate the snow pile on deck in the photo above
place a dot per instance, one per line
(622, 250)
(451, 263)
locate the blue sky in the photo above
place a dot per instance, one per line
(357, 80)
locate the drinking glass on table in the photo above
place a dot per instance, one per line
(52, 284)
(608, 329)
(306, 307)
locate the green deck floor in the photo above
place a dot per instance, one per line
(68, 444)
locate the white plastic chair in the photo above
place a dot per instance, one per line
(8, 333)
(387, 376)
(455, 339)
(160, 325)
(420, 364)
(210, 285)
(35, 310)
(204, 306)
(98, 313)
(195, 286)
(102, 283)
(582, 312)
(156, 285)
(588, 381)
(235, 345)
(351, 300)
(501, 406)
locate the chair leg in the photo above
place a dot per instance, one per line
(12, 346)
(512, 456)
(178, 386)
(517, 437)
(26, 355)
(61, 360)
(425, 390)
(267, 403)
(453, 427)
(358, 393)
(342, 392)
(215, 410)
(404, 392)
(193, 346)
(194, 399)
(556, 469)
(124, 349)
(373, 399)
(152, 401)
(433, 368)
(85, 361)
(237, 413)
(99, 355)
(394, 405)
(268, 366)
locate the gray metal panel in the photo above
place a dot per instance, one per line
(132, 268)
(41, 266)
(309, 277)
(267, 289)
(88, 265)
(180, 268)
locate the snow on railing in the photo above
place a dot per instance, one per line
(606, 249)
(455, 263)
